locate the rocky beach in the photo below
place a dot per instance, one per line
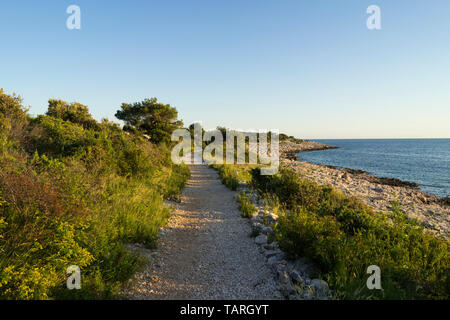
(382, 194)
(289, 149)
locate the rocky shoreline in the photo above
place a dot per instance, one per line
(289, 149)
(382, 194)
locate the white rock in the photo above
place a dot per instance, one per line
(270, 246)
(271, 253)
(266, 230)
(261, 239)
(256, 219)
(273, 260)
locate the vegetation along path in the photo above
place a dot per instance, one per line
(205, 251)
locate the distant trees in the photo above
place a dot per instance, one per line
(155, 119)
(11, 105)
(284, 137)
(74, 112)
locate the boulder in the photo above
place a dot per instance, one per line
(296, 277)
(261, 239)
(273, 260)
(320, 286)
(266, 230)
(270, 246)
(271, 253)
(257, 227)
(279, 257)
(256, 219)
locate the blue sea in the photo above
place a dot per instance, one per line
(424, 161)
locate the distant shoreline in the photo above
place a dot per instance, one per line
(375, 178)
(318, 146)
(289, 149)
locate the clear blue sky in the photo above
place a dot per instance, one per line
(309, 68)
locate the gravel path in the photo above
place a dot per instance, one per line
(206, 251)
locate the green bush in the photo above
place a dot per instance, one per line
(75, 192)
(61, 138)
(343, 237)
(228, 175)
(73, 112)
(231, 175)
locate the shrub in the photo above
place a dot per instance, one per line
(231, 175)
(75, 192)
(228, 176)
(74, 112)
(61, 138)
(343, 237)
(245, 205)
(11, 106)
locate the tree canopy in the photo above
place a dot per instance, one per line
(11, 105)
(74, 112)
(151, 117)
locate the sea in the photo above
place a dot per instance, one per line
(424, 161)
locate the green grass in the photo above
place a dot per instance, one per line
(343, 237)
(75, 193)
(245, 205)
(230, 175)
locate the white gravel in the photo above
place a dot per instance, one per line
(206, 251)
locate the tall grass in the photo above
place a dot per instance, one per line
(343, 237)
(231, 175)
(245, 205)
(76, 194)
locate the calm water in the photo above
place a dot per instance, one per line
(425, 161)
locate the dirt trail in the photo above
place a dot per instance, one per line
(206, 252)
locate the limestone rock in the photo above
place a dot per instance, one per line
(266, 230)
(261, 239)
